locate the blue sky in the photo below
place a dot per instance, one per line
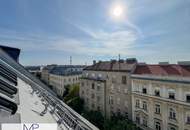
(49, 31)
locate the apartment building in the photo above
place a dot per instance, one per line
(45, 73)
(106, 86)
(63, 75)
(161, 96)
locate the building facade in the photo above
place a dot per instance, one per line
(45, 73)
(105, 86)
(161, 97)
(63, 75)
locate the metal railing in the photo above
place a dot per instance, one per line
(69, 117)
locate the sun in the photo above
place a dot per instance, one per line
(117, 11)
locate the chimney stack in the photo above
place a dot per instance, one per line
(94, 62)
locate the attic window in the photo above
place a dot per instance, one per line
(188, 98)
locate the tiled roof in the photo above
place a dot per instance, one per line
(163, 70)
(112, 66)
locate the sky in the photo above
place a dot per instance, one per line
(50, 31)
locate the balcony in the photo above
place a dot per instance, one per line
(36, 102)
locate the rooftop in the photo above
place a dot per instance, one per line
(163, 70)
(67, 70)
(113, 65)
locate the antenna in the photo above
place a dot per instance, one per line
(119, 62)
(70, 60)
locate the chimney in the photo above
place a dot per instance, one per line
(94, 62)
(163, 63)
(183, 62)
(131, 60)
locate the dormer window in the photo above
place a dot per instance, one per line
(157, 92)
(171, 94)
(188, 98)
(144, 90)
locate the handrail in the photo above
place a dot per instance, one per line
(37, 84)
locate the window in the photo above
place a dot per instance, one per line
(118, 112)
(144, 121)
(118, 101)
(98, 108)
(137, 119)
(157, 92)
(157, 126)
(93, 75)
(145, 105)
(93, 105)
(82, 84)
(138, 103)
(188, 98)
(99, 76)
(98, 87)
(124, 80)
(113, 79)
(144, 90)
(172, 128)
(98, 98)
(172, 114)
(188, 119)
(157, 109)
(171, 95)
(119, 88)
(125, 90)
(93, 85)
(92, 96)
(111, 100)
(126, 104)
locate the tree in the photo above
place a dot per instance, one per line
(95, 117)
(77, 104)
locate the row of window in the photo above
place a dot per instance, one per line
(64, 80)
(171, 94)
(113, 79)
(157, 124)
(172, 111)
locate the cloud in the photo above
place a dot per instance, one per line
(101, 42)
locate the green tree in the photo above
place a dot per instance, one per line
(77, 104)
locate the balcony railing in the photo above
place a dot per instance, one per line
(70, 117)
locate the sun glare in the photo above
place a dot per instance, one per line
(118, 11)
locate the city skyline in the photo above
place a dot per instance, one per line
(50, 32)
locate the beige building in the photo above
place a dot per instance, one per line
(45, 73)
(63, 75)
(105, 86)
(161, 96)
